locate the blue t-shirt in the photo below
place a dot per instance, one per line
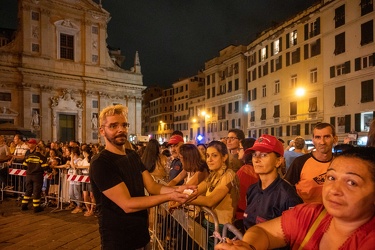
(175, 169)
(289, 157)
(263, 205)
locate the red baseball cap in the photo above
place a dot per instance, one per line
(267, 144)
(31, 141)
(175, 139)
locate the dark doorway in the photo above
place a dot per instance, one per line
(67, 128)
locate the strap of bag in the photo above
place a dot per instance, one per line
(312, 229)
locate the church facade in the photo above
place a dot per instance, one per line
(57, 74)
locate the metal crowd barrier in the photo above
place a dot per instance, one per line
(13, 182)
(185, 228)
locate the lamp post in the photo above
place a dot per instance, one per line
(161, 129)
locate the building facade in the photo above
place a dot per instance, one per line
(57, 73)
(226, 92)
(317, 66)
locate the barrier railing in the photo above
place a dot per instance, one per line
(13, 182)
(186, 227)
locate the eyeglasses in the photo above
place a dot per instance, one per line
(260, 155)
(115, 126)
(231, 138)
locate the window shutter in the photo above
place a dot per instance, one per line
(332, 120)
(317, 26)
(298, 129)
(347, 123)
(306, 31)
(357, 122)
(307, 131)
(306, 51)
(288, 130)
(357, 64)
(287, 40)
(281, 44)
(332, 71)
(347, 67)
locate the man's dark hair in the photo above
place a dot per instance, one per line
(178, 132)
(322, 125)
(239, 133)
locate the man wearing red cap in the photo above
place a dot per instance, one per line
(35, 162)
(271, 195)
(174, 143)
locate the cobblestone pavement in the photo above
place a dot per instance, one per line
(51, 229)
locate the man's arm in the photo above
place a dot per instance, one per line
(120, 195)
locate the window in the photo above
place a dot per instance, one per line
(208, 94)
(35, 99)
(254, 94)
(312, 29)
(313, 104)
(340, 16)
(34, 16)
(213, 78)
(7, 97)
(296, 56)
(235, 68)
(276, 111)
(367, 91)
(67, 46)
(94, 29)
(213, 92)
(95, 104)
(293, 81)
(364, 62)
(276, 47)
(314, 75)
(265, 69)
(263, 54)
(252, 116)
(236, 106)
(208, 79)
(230, 108)
(264, 91)
(367, 32)
(278, 62)
(339, 96)
(366, 6)
(340, 69)
(252, 59)
(315, 48)
(339, 43)
(293, 38)
(94, 58)
(293, 110)
(277, 86)
(229, 86)
(35, 47)
(264, 114)
(236, 84)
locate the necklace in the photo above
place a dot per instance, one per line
(212, 185)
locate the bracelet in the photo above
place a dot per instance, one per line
(252, 247)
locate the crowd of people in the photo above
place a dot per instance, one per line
(42, 160)
(252, 183)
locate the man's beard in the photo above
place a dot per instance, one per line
(118, 140)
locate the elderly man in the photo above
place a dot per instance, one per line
(174, 143)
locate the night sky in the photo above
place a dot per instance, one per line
(175, 38)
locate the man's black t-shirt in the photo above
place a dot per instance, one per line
(119, 230)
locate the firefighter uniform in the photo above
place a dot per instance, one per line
(35, 164)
